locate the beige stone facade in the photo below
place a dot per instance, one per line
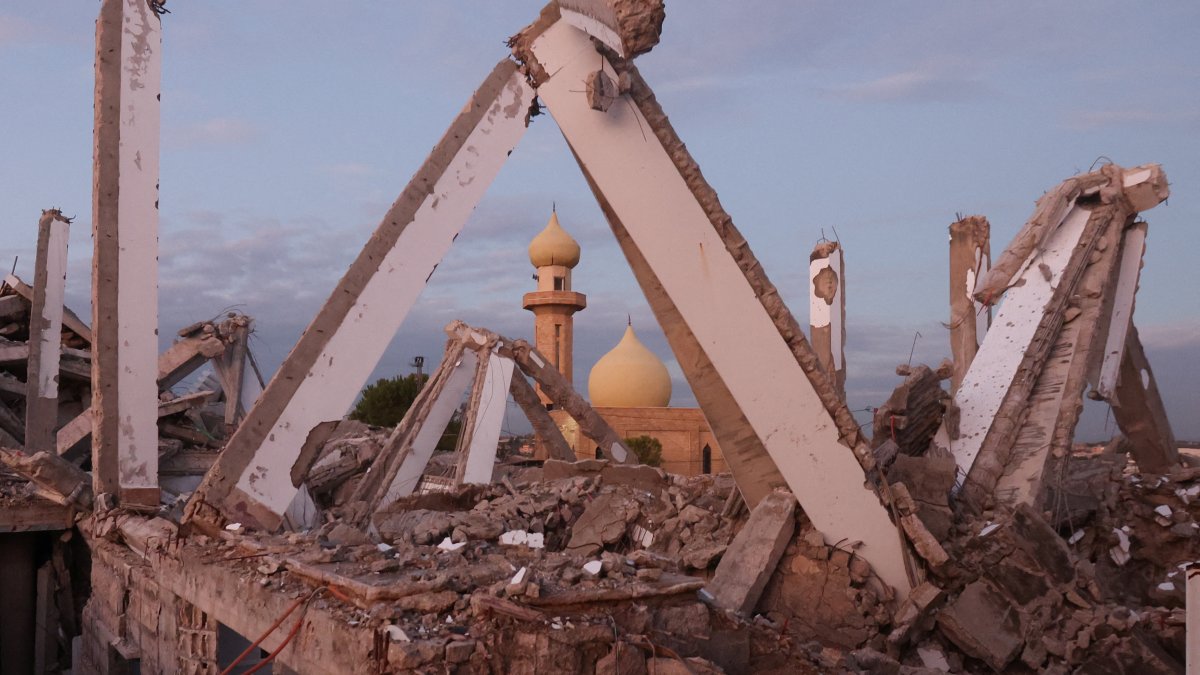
(689, 448)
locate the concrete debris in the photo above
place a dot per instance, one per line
(969, 534)
(912, 413)
(751, 559)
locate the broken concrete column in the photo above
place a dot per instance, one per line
(1120, 318)
(1139, 411)
(628, 27)
(179, 361)
(45, 331)
(970, 259)
(750, 561)
(60, 480)
(125, 263)
(827, 310)
(253, 481)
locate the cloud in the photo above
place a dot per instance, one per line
(214, 131)
(912, 86)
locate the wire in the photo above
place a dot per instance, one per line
(241, 657)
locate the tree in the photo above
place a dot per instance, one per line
(647, 448)
(384, 403)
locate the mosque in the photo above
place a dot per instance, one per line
(629, 386)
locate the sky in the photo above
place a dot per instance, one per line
(290, 127)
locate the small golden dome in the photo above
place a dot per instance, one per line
(630, 376)
(553, 246)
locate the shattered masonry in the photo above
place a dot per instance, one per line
(970, 533)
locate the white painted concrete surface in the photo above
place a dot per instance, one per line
(1001, 352)
(425, 441)
(137, 218)
(664, 220)
(481, 454)
(1122, 313)
(52, 311)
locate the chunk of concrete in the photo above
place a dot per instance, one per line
(1040, 541)
(747, 566)
(982, 624)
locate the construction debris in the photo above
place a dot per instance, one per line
(970, 534)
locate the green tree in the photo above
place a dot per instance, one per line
(384, 403)
(647, 448)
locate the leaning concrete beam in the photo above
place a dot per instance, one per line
(1121, 319)
(970, 259)
(184, 356)
(328, 366)
(658, 196)
(749, 461)
(1047, 427)
(45, 331)
(555, 387)
(403, 459)
(125, 263)
(1139, 411)
(547, 432)
(827, 310)
(484, 419)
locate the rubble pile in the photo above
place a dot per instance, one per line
(571, 574)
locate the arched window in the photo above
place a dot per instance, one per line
(599, 455)
(706, 459)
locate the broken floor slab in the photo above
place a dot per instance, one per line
(750, 561)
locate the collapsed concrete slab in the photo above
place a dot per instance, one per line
(1018, 407)
(747, 566)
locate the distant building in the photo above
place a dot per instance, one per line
(629, 386)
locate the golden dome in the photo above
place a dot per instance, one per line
(630, 376)
(553, 246)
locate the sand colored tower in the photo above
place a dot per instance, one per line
(554, 253)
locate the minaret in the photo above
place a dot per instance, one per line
(554, 253)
